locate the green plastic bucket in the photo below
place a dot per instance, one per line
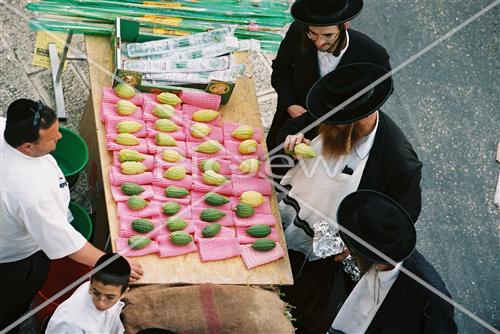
(81, 220)
(71, 154)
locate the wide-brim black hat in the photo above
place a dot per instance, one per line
(341, 84)
(325, 12)
(379, 221)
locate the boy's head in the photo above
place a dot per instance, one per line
(109, 284)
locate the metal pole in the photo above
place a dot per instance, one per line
(64, 55)
(57, 66)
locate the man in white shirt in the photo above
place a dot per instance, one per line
(96, 305)
(34, 208)
(315, 44)
(358, 147)
(386, 300)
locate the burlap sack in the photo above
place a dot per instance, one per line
(206, 308)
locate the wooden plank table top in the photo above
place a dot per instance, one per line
(185, 269)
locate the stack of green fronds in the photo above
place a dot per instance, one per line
(261, 20)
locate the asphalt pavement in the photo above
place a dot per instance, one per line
(446, 102)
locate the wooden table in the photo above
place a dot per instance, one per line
(185, 269)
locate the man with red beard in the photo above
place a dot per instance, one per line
(315, 44)
(358, 147)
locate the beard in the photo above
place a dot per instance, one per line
(339, 139)
(340, 43)
(363, 264)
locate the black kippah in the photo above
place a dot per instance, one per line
(118, 267)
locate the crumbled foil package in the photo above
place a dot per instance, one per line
(326, 240)
(351, 268)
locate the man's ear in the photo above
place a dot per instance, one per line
(26, 147)
(346, 25)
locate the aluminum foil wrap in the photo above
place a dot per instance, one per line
(351, 268)
(326, 240)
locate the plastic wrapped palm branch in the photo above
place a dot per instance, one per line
(261, 20)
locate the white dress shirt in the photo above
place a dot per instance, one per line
(34, 200)
(319, 185)
(78, 315)
(364, 301)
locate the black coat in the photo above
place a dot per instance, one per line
(410, 307)
(392, 168)
(296, 69)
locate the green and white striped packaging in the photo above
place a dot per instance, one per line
(188, 65)
(228, 75)
(203, 51)
(169, 45)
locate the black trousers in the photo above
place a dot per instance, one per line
(19, 282)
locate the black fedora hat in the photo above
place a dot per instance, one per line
(325, 12)
(378, 220)
(344, 82)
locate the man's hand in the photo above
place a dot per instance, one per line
(88, 255)
(295, 110)
(136, 270)
(292, 140)
(340, 257)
